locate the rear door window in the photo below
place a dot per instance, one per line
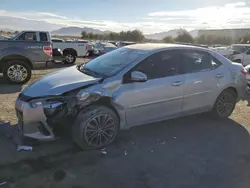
(43, 37)
(196, 61)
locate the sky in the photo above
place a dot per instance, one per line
(150, 16)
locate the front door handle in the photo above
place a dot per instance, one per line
(177, 83)
(220, 75)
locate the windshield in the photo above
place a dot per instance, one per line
(112, 62)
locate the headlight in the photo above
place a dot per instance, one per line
(50, 107)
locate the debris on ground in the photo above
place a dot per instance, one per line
(3, 183)
(125, 153)
(174, 137)
(152, 150)
(104, 152)
(25, 148)
(132, 143)
(164, 142)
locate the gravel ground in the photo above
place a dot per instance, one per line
(194, 151)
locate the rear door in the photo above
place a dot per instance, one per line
(203, 75)
(34, 44)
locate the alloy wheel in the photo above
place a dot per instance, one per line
(17, 73)
(225, 104)
(100, 130)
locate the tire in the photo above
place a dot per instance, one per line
(21, 67)
(85, 126)
(225, 104)
(70, 58)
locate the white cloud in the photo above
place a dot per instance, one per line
(233, 15)
(227, 16)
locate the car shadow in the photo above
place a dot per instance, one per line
(194, 151)
(7, 88)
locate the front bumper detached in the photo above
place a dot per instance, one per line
(31, 121)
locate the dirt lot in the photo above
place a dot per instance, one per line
(189, 152)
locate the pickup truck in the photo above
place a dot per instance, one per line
(71, 49)
(22, 53)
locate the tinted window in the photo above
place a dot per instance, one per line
(160, 65)
(215, 62)
(30, 36)
(196, 61)
(43, 37)
(56, 40)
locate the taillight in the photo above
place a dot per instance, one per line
(48, 50)
(87, 46)
(244, 72)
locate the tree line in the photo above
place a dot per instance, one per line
(135, 35)
(185, 37)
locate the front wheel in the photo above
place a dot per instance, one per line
(95, 127)
(17, 72)
(225, 104)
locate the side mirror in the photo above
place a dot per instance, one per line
(137, 76)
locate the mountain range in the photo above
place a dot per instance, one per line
(13, 23)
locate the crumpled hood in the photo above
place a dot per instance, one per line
(59, 82)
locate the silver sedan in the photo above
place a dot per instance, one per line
(130, 86)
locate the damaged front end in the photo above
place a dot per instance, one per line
(37, 117)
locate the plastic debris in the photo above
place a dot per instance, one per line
(164, 142)
(152, 150)
(25, 148)
(174, 137)
(3, 183)
(104, 152)
(125, 153)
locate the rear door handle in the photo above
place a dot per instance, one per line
(219, 75)
(177, 83)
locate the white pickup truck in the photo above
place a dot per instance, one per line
(71, 49)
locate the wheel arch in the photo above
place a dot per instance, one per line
(70, 50)
(14, 57)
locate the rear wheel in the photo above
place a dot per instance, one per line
(70, 58)
(225, 104)
(17, 71)
(95, 127)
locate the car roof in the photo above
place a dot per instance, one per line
(161, 46)
(240, 44)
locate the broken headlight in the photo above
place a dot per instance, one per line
(50, 107)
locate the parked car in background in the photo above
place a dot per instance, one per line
(120, 44)
(58, 55)
(102, 48)
(241, 53)
(71, 49)
(130, 86)
(225, 51)
(27, 50)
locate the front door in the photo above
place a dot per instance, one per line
(160, 97)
